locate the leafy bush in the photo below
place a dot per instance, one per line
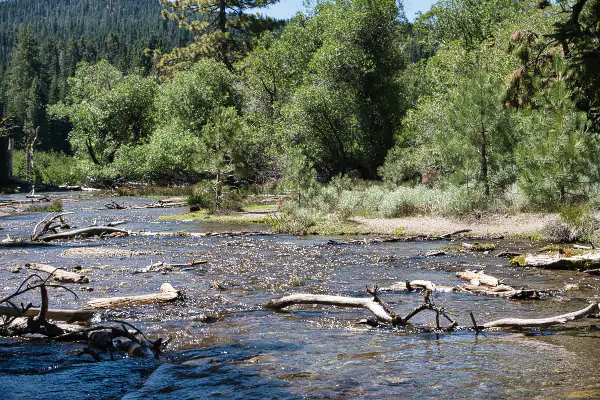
(204, 196)
(52, 169)
(55, 206)
(293, 220)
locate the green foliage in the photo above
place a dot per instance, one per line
(293, 220)
(467, 21)
(220, 27)
(204, 196)
(555, 158)
(54, 169)
(107, 110)
(54, 206)
(26, 82)
(581, 221)
(478, 140)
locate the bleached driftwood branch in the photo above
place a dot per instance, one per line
(340, 301)
(53, 314)
(84, 232)
(59, 275)
(167, 294)
(559, 319)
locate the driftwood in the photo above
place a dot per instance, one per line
(478, 281)
(163, 267)
(53, 314)
(435, 253)
(416, 285)
(379, 308)
(204, 234)
(450, 234)
(115, 223)
(478, 278)
(59, 275)
(167, 294)
(85, 232)
(113, 205)
(384, 313)
(559, 319)
(46, 225)
(487, 285)
(500, 291)
(18, 321)
(341, 301)
(508, 254)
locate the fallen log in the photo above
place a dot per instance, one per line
(435, 253)
(509, 254)
(48, 227)
(59, 275)
(414, 285)
(162, 266)
(340, 301)
(84, 232)
(450, 234)
(541, 322)
(500, 291)
(53, 314)
(593, 271)
(478, 278)
(167, 294)
(116, 223)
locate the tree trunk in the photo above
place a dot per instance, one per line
(218, 191)
(223, 29)
(4, 167)
(484, 164)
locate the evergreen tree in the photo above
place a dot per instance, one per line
(558, 157)
(221, 28)
(26, 87)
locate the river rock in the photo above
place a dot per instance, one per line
(584, 261)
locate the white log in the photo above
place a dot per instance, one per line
(478, 278)
(53, 314)
(559, 319)
(416, 284)
(340, 301)
(59, 275)
(167, 294)
(85, 232)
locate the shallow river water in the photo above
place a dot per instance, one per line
(244, 351)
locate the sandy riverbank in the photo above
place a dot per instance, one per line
(517, 225)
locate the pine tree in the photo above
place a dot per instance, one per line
(26, 90)
(221, 28)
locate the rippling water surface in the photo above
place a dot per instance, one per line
(244, 351)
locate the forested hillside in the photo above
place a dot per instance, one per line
(116, 30)
(58, 34)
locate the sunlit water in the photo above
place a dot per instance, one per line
(310, 352)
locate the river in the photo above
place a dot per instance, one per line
(225, 345)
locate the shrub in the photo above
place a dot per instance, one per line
(204, 196)
(53, 169)
(55, 206)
